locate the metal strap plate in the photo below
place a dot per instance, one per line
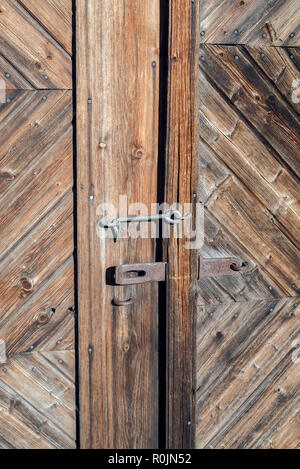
(133, 274)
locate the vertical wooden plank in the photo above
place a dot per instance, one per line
(181, 187)
(117, 128)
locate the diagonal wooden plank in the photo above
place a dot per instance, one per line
(37, 392)
(31, 50)
(10, 78)
(50, 308)
(255, 22)
(261, 237)
(280, 66)
(55, 16)
(253, 284)
(258, 100)
(235, 145)
(24, 270)
(35, 123)
(37, 402)
(247, 379)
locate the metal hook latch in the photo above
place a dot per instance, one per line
(217, 267)
(173, 217)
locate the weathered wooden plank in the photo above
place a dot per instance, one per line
(258, 100)
(37, 392)
(37, 402)
(10, 78)
(280, 66)
(253, 284)
(55, 16)
(49, 179)
(48, 245)
(43, 314)
(117, 124)
(255, 22)
(239, 148)
(31, 50)
(181, 187)
(234, 152)
(261, 237)
(35, 122)
(248, 381)
(3, 357)
(36, 178)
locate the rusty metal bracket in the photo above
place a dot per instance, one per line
(3, 357)
(220, 266)
(133, 274)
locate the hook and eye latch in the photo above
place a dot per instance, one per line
(173, 217)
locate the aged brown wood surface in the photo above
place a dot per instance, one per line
(255, 22)
(117, 124)
(248, 380)
(28, 46)
(248, 325)
(37, 399)
(181, 187)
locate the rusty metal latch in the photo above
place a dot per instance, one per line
(218, 267)
(133, 274)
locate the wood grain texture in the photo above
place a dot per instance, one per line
(55, 16)
(36, 214)
(181, 187)
(253, 22)
(30, 38)
(249, 165)
(37, 401)
(248, 325)
(3, 357)
(248, 375)
(117, 124)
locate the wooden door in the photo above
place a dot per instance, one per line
(248, 325)
(213, 364)
(37, 395)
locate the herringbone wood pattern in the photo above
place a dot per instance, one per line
(37, 398)
(248, 324)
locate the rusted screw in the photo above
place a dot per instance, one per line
(27, 284)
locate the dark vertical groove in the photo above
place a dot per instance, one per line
(75, 225)
(162, 320)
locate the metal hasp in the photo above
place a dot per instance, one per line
(173, 217)
(220, 266)
(133, 274)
